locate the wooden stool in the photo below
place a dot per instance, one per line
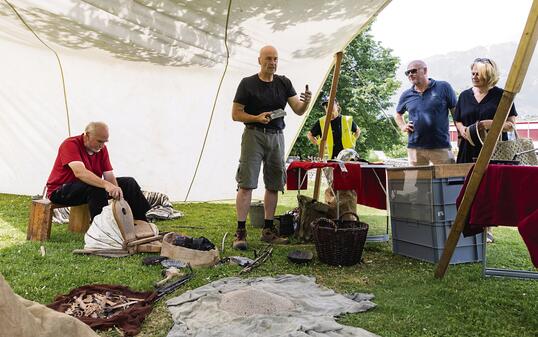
(79, 219)
(40, 221)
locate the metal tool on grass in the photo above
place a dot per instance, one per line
(169, 274)
(261, 257)
(171, 287)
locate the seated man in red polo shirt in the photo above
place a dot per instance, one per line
(82, 174)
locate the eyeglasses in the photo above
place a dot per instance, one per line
(482, 60)
(411, 71)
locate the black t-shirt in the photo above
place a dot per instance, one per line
(336, 126)
(258, 96)
(469, 111)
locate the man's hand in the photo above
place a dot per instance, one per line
(306, 95)
(408, 128)
(264, 117)
(114, 191)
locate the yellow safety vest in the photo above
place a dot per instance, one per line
(348, 137)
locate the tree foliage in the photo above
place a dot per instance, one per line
(367, 81)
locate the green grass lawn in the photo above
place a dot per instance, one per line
(410, 301)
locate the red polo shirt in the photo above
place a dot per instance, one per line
(72, 149)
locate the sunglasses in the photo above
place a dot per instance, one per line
(482, 60)
(411, 71)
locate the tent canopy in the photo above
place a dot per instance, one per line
(162, 74)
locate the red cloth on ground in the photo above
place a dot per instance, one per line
(72, 149)
(506, 196)
(363, 180)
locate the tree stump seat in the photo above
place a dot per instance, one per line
(40, 222)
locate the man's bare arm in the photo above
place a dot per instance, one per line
(405, 127)
(239, 115)
(299, 105)
(83, 174)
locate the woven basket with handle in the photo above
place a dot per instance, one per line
(340, 242)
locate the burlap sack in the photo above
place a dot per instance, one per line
(309, 211)
(196, 258)
(20, 317)
(347, 202)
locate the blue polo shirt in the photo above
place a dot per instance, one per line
(429, 113)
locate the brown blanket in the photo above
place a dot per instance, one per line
(129, 320)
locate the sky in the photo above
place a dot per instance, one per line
(417, 29)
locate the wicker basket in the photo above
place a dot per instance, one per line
(340, 242)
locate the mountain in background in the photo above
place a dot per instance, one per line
(454, 68)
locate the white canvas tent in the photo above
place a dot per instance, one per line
(161, 73)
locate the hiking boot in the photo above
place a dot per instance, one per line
(269, 235)
(240, 241)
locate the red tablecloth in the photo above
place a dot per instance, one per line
(373, 186)
(507, 196)
(363, 180)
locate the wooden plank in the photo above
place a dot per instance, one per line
(430, 172)
(332, 97)
(452, 170)
(412, 172)
(513, 85)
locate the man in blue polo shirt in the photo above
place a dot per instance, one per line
(428, 102)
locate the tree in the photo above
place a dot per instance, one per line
(367, 81)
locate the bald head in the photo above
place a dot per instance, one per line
(268, 61)
(95, 127)
(417, 73)
(95, 136)
(268, 50)
(417, 64)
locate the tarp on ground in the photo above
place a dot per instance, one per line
(161, 73)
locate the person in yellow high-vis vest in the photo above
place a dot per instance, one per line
(342, 134)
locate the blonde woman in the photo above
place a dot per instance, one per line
(476, 108)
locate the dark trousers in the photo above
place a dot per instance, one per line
(78, 193)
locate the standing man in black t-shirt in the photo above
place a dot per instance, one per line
(342, 132)
(256, 98)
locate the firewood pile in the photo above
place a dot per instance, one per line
(99, 305)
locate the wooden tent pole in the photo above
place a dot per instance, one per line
(513, 85)
(332, 97)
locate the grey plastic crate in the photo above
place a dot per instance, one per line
(431, 235)
(423, 213)
(425, 200)
(427, 241)
(425, 191)
(462, 254)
